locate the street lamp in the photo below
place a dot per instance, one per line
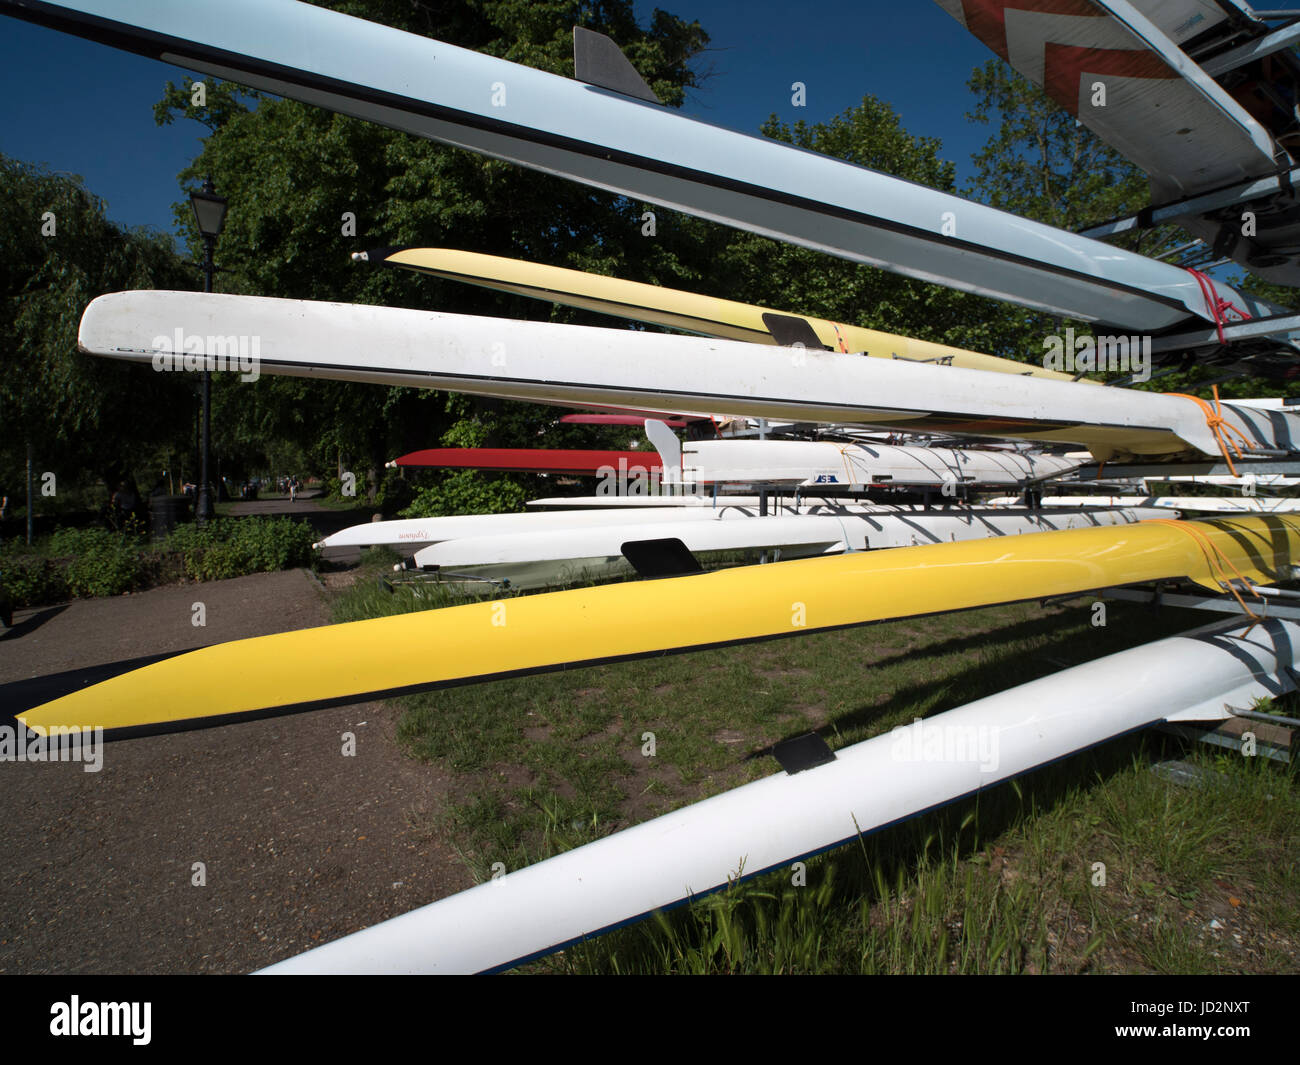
(210, 214)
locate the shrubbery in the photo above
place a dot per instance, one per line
(235, 547)
(468, 492)
(32, 579)
(83, 563)
(98, 561)
(395, 493)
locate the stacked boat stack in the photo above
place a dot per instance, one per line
(797, 475)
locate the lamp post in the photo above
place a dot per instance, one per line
(210, 213)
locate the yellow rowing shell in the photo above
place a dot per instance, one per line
(339, 664)
(675, 309)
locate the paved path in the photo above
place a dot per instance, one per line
(301, 844)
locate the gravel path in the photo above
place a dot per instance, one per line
(300, 844)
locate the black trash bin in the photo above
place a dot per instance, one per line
(165, 512)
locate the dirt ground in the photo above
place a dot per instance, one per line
(300, 844)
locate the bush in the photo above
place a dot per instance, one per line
(468, 492)
(395, 493)
(236, 547)
(334, 487)
(99, 561)
(32, 580)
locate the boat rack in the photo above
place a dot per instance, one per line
(1126, 471)
(1263, 735)
(1271, 602)
(1269, 735)
(419, 579)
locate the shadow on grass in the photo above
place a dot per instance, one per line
(1010, 655)
(818, 926)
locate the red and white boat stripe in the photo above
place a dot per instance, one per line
(1056, 43)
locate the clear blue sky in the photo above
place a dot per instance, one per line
(88, 109)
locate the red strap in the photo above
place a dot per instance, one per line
(1218, 305)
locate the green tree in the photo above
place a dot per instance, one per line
(1042, 163)
(308, 187)
(84, 418)
(775, 274)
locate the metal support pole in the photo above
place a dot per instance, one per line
(29, 493)
(204, 510)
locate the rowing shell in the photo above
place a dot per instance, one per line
(635, 500)
(629, 420)
(1187, 504)
(919, 524)
(404, 531)
(762, 826)
(817, 462)
(526, 560)
(803, 462)
(1257, 480)
(644, 151)
(580, 366)
(689, 311)
(538, 560)
(341, 664)
(532, 460)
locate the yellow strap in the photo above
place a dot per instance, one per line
(844, 459)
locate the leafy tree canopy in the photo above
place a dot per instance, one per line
(307, 188)
(771, 273)
(1042, 163)
(84, 418)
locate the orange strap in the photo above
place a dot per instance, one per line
(1219, 426)
(1216, 560)
(844, 348)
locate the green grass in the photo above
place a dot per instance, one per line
(358, 505)
(1005, 885)
(1001, 883)
(378, 591)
